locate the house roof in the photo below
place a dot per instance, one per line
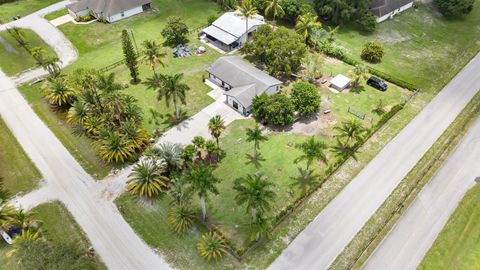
(107, 7)
(246, 80)
(381, 8)
(231, 26)
(340, 81)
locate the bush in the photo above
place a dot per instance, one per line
(455, 8)
(175, 32)
(277, 109)
(330, 50)
(259, 104)
(305, 98)
(372, 52)
(211, 19)
(367, 22)
(86, 18)
(295, 8)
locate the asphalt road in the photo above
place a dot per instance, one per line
(328, 234)
(406, 244)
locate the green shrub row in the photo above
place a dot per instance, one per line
(7, 1)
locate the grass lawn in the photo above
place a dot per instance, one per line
(420, 47)
(22, 8)
(458, 245)
(59, 227)
(13, 58)
(18, 172)
(56, 14)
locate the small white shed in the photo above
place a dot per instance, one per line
(340, 82)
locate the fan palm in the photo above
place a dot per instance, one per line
(247, 11)
(152, 54)
(146, 179)
(181, 218)
(306, 25)
(114, 147)
(312, 150)
(275, 8)
(212, 246)
(169, 152)
(256, 192)
(351, 130)
(57, 91)
(203, 182)
(255, 135)
(305, 179)
(169, 87)
(216, 125)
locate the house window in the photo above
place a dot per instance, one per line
(123, 14)
(235, 105)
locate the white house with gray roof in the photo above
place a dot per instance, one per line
(241, 81)
(109, 10)
(231, 30)
(386, 9)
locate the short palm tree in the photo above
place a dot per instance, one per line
(305, 179)
(312, 150)
(169, 87)
(212, 246)
(255, 135)
(137, 136)
(181, 218)
(352, 130)
(107, 83)
(78, 113)
(203, 182)
(216, 125)
(146, 179)
(306, 25)
(57, 91)
(359, 73)
(114, 147)
(256, 192)
(25, 221)
(152, 54)
(7, 214)
(247, 11)
(275, 8)
(24, 239)
(169, 152)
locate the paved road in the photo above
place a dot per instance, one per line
(405, 246)
(323, 239)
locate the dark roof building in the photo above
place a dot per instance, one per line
(385, 9)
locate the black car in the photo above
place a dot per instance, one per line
(377, 83)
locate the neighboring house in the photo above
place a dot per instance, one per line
(109, 10)
(386, 9)
(230, 30)
(241, 82)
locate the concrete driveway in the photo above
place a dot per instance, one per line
(328, 234)
(413, 235)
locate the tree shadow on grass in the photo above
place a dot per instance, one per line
(171, 120)
(255, 162)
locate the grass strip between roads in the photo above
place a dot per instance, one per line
(378, 226)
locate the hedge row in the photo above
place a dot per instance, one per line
(7, 1)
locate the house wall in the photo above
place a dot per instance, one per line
(79, 14)
(244, 38)
(395, 12)
(241, 109)
(125, 14)
(219, 82)
(273, 90)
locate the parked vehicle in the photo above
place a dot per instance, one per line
(377, 83)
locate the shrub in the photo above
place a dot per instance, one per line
(330, 50)
(258, 106)
(211, 19)
(367, 22)
(276, 109)
(455, 8)
(295, 8)
(305, 98)
(372, 52)
(175, 32)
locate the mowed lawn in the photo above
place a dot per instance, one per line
(18, 172)
(458, 245)
(58, 227)
(22, 8)
(420, 47)
(15, 59)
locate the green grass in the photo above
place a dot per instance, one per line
(458, 246)
(13, 58)
(79, 146)
(56, 14)
(420, 47)
(59, 227)
(22, 8)
(18, 172)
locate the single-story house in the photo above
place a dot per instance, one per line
(109, 10)
(340, 82)
(241, 81)
(230, 30)
(386, 9)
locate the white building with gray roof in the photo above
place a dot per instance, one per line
(109, 10)
(241, 81)
(386, 9)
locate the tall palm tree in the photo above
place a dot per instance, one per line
(312, 150)
(247, 11)
(152, 54)
(351, 130)
(275, 8)
(305, 26)
(146, 179)
(57, 91)
(39, 54)
(256, 192)
(203, 182)
(216, 125)
(255, 135)
(169, 87)
(305, 179)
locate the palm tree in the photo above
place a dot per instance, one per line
(57, 91)
(152, 54)
(147, 180)
(169, 87)
(260, 227)
(312, 150)
(212, 246)
(306, 179)
(137, 136)
(169, 152)
(305, 26)
(247, 11)
(351, 130)
(216, 125)
(7, 213)
(78, 113)
(275, 8)
(39, 54)
(24, 239)
(114, 147)
(359, 73)
(50, 64)
(181, 218)
(343, 149)
(107, 84)
(25, 221)
(256, 192)
(202, 181)
(255, 135)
